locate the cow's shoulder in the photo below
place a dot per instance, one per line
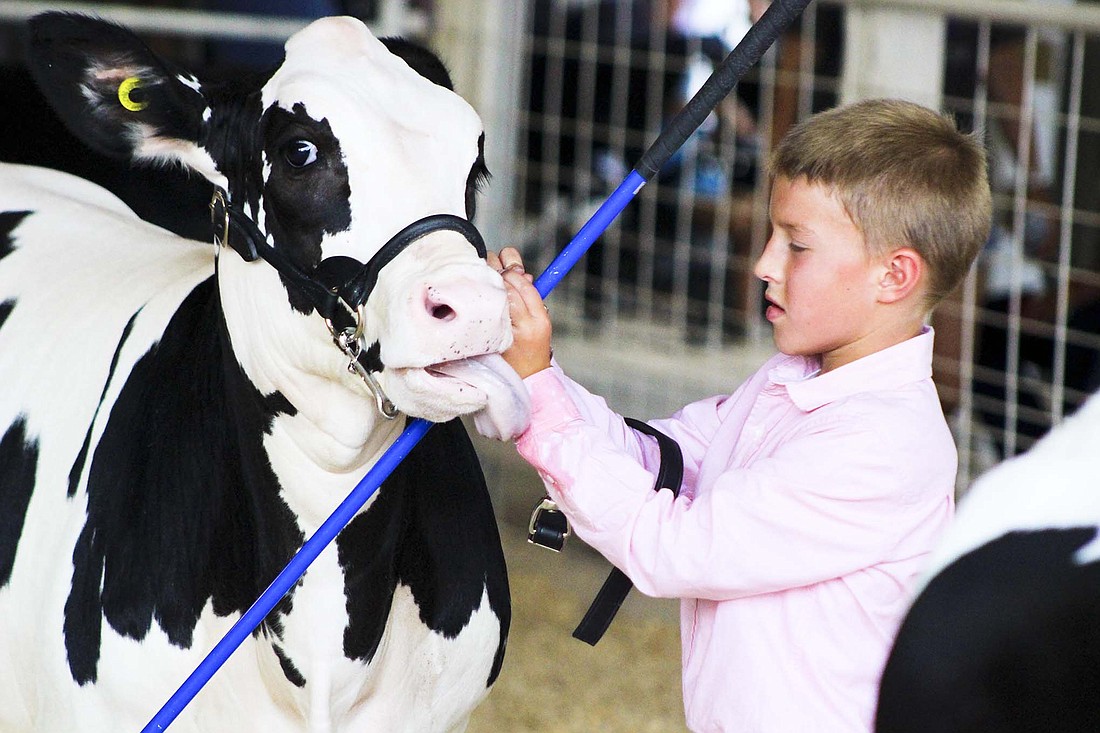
(182, 504)
(1004, 634)
(78, 272)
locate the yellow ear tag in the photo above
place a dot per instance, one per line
(125, 89)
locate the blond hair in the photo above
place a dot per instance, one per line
(905, 175)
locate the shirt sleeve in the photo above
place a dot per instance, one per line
(556, 400)
(830, 500)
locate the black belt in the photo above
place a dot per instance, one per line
(549, 528)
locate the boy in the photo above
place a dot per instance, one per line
(812, 495)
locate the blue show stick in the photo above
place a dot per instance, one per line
(752, 47)
(589, 233)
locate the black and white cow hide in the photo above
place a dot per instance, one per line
(173, 425)
(1005, 635)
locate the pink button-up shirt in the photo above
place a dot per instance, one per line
(810, 504)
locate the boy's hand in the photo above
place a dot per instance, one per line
(531, 329)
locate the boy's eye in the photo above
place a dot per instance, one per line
(795, 247)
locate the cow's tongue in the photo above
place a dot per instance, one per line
(508, 410)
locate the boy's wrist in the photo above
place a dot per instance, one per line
(526, 367)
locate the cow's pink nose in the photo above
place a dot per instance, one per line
(463, 308)
(437, 306)
(442, 312)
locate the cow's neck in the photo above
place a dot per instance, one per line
(335, 432)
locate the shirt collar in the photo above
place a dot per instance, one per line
(893, 367)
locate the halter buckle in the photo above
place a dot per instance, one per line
(385, 408)
(548, 527)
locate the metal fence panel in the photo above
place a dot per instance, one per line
(1018, 346)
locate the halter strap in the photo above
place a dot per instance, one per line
(335, 279)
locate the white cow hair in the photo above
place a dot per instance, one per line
(165, 151)
(189, 81)
(1053, 485)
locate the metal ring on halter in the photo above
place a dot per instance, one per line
(352, 334)
(219, 199)
(350, 342)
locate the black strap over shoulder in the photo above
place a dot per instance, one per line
(615, 589)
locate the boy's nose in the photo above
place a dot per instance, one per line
(764, 268)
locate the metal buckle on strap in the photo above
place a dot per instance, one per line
(350, 342)
(548, 526)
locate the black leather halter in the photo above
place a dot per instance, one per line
(336, 278)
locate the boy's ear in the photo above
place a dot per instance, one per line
(902, 275)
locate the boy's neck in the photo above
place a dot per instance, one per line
(877, 339)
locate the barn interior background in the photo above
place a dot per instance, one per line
(664, 309)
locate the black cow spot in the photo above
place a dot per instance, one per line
(289, 670)
(371, 359)
(303, 202)
(420, 60)
(431, 528)
(183, 505)
(9, 220)
(82, 456)
(1004, 640)
(18, 464)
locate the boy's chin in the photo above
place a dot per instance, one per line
(785, 344)
(790, 347)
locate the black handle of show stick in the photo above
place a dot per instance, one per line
(762, 34)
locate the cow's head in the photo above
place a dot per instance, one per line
(342, 146)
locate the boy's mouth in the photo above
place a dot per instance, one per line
(774, 310)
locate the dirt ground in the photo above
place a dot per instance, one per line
(629, 682)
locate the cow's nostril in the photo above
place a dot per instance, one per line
(443, 312)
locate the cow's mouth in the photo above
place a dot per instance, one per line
(507, 407)
(482, 371)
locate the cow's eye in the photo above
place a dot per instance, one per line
(300, 153)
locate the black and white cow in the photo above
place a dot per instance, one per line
(173, 425)
(1005, 635)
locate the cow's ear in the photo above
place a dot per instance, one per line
(420, 60)
(112, 92)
